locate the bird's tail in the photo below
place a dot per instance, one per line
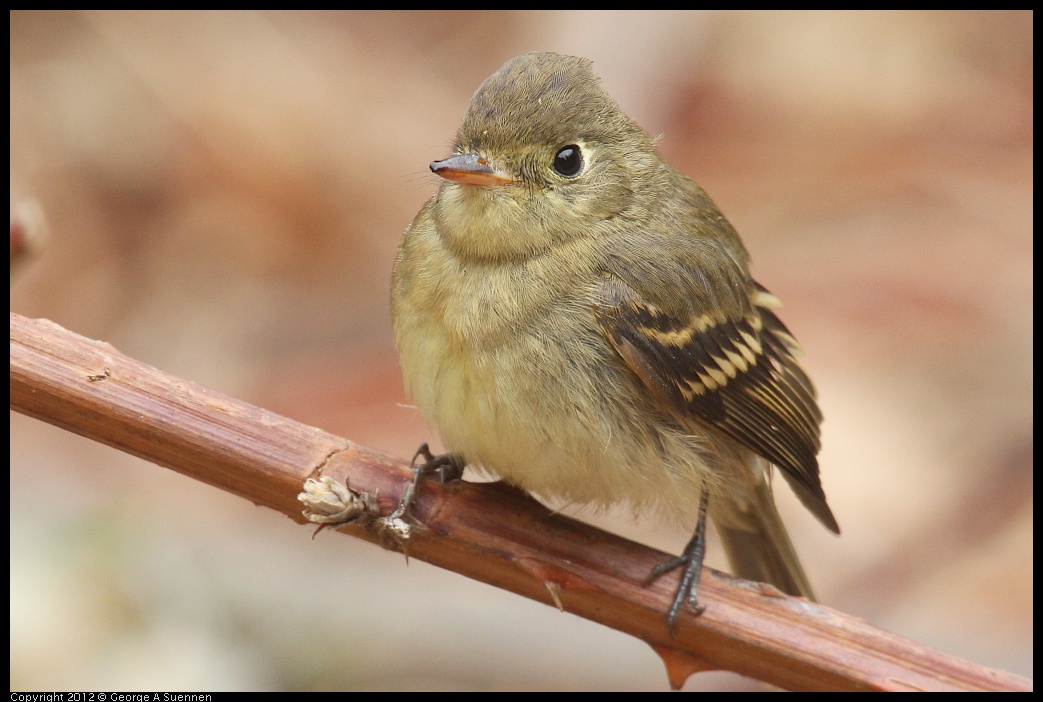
(757, 544)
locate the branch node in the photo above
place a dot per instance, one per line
(328, 502)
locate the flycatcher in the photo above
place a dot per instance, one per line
(577, 318)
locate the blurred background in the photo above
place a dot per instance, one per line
(224, 194)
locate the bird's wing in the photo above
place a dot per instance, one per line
(738, 374)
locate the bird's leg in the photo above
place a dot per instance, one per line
(691, 559)
(448, 466)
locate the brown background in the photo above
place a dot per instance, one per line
(224, 194)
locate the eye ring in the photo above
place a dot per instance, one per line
(568, 162)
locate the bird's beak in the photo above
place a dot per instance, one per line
(470, 169)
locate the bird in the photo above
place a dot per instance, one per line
(577, 318)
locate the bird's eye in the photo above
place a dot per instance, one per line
(568, 161)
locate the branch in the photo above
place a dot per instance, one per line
(488, 532)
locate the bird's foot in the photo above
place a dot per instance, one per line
(448, 467)
(691, 563)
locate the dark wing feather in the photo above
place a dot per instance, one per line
(739, 375)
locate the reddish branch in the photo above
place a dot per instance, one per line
(486, 532)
